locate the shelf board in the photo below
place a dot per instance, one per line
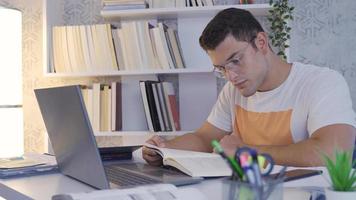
(140, 133)
(132, 72)
(168, 13)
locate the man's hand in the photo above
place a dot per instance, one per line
(150, 155)
(230, 143)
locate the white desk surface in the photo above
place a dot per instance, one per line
(45, 186)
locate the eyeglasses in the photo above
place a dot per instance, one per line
(220, 71)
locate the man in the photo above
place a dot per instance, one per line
(294, 112)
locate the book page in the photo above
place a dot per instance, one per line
(195, 164)
(166, 152)
(203, 166)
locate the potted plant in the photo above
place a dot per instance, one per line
(342, 176)
(279, 15)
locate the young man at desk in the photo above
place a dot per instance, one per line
(291, 111)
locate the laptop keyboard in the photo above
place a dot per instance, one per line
(123, 177)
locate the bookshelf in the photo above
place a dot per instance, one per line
(53, 16)
(197, 85)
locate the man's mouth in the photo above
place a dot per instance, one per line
(239, 84)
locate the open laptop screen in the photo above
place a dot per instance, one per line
(71, 135)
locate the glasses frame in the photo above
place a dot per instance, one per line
(220, 71)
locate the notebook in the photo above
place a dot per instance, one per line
(76, 151)
(152, 192)
(27, 165)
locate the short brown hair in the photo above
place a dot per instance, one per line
(238, 22)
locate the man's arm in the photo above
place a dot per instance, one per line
(308, 152)
(200, 140)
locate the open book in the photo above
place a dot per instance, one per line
(192, 163)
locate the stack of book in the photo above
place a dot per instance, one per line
(179, 3)
(103, 105)
(137, 45)
(160, 106)
(123, 4)
(83, 48)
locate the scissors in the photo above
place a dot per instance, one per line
(261, 159)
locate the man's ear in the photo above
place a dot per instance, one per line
(261, 42)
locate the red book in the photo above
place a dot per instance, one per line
(172, 105)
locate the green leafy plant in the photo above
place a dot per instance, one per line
(342, 175)
(280, 13)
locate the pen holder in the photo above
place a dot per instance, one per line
(271, 189)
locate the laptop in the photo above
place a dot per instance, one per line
(76, 151)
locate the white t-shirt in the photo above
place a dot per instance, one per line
(310, 98)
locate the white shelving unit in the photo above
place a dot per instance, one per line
(138, 133)
(197, 84)
(129, 138)
(53, 16)
(174, 13)
(131, 73)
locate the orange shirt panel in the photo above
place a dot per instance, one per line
(263, 128)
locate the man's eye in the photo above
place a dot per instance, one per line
(235, 61)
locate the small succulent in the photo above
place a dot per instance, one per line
(342, 175)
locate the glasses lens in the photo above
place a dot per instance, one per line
(219, 73)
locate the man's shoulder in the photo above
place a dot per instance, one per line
(316, 74)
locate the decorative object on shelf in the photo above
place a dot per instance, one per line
(342, 175)
(246, 1)
(280, 13)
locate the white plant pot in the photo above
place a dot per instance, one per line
(330, 194)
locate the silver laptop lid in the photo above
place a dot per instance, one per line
(65, 117)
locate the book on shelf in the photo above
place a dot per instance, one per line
(116, 106)
(146, 106)
(105, 108)
(163, 105)
(193, 163)
(136, 45)
(178, 3)
(123, 5)
(176, 50)
(171, 105)
(103, 103)
(152, 106)
(96, 107)
(83, 48)
(118, 49)
(146, 47)
(134, 56)
(164, 40)
(160, 106)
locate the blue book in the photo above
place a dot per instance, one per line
(30, 164)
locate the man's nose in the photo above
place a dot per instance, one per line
(231, 75)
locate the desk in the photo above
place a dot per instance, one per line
(45, 186)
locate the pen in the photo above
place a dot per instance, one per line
(256, 167)
(249, 172)
(281, 173)
(231, 161)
